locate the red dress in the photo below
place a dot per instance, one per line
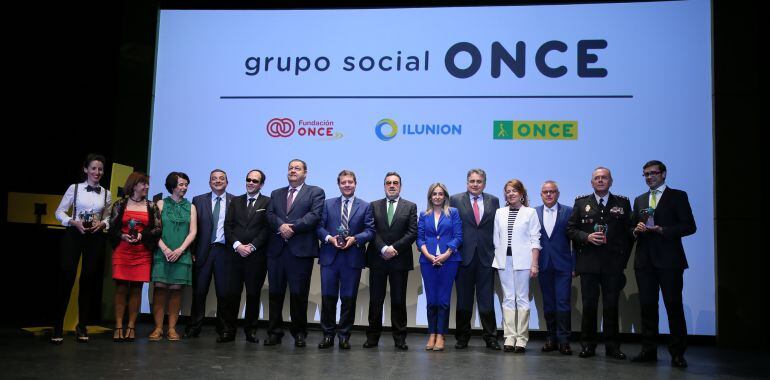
(132, 262)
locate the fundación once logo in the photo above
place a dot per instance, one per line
(534, 130)
(387, 129)
(283, 127)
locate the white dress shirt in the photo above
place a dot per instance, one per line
(88, 201)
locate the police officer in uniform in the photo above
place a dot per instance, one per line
(599, 227)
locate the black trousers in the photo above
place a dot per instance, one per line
(479, 279)
(287, 269)
(216, 264)
(89, 296)
(378, 281)
(653, 281)
(248, 272)
(610, 285)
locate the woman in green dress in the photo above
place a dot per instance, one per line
(172, 262)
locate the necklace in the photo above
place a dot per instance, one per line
(135, 199)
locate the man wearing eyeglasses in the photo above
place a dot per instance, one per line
(246, 234)
(662, 216)
(390, 257)
(294, 213)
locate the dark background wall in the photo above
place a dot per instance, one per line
(79, 79)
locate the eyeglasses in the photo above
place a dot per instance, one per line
(651, 173)
(396, 183)
(475, 181)
(255, 181)
(550, 192)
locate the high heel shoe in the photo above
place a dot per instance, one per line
(81, 334)
(156, 335)
(130, 334)
(117, 335)
(431, 342)
(57, 336)
(439, 346)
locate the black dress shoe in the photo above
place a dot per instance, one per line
(549, 346)
(191, 332)
(299, 341)
(507, 348)
(402, 346)
(57, 336)
(327, 342)
(565, 349)
(81, 334)
(251, 336)
(345, 344)
(587, 352)
(493, 345)
(461, 344)
(519, 350)
(645, 356)
(615, 353)
(272, 340)
(370, 344)
(678, 361)
(225, 337)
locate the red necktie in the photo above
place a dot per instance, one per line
(476, 210)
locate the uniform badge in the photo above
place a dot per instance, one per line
(588, 208)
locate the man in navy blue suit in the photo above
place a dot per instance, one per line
(210, 252)
(293, 214)
(557, 264)
(475, 274)
(347, 224)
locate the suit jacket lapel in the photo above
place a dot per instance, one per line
(353, 208)
(488, 212)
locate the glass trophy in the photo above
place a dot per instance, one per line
(132, 231)
(87, 217)
(342, 234)
(602, 228)
(648, 217)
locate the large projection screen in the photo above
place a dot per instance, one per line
(530, 92)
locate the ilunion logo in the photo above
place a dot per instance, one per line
(382, 124)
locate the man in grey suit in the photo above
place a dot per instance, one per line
(210, 251)
(475, 274)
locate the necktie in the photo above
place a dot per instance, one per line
(251, 204)
(215, 220)
(654, 200)
(476, 213)
(290, 200)
(95, 189)
(345, 214)
(390, 211)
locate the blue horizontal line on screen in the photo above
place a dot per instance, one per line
(238, 97)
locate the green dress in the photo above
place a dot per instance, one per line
(175, 219)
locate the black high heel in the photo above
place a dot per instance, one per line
(57, 336)
(128, 337)
(81, 334)
(119, 338)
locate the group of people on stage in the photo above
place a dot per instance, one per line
(462, 239)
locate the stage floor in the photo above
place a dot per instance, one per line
(24, 356)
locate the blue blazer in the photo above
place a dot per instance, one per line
(449, 233)
(305, 214)
(204, 213)
(361, 225)
(556, 252)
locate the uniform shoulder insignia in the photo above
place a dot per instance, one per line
(582, 196)
(621, 196)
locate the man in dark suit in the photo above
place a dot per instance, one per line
(346, 226)
(390, 257)
(210, 251)
(475, 274)
(662, 216)
(557, 264)
(246, 233)
(294, 213)
(599, 227)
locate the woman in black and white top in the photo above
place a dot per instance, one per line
(90, 203)
(517, 246)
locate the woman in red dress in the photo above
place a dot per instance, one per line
(134, 231)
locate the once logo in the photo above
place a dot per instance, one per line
(382, 124)
(280, 127)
